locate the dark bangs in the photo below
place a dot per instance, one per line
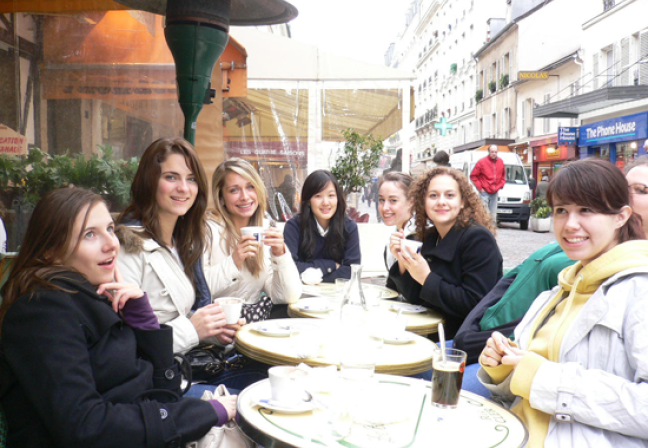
(593, 183)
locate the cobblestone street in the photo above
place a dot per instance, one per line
(516, 245)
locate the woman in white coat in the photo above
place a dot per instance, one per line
(238, 265)
(576, 373)
(163, 237)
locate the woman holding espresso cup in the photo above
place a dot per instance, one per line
(245, 257)
(163, 237)
(577, 372)
(459, 261)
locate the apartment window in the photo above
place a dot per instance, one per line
(624, 68)
(643, 51)
(595, 71)
(574, 88)
(545, 121)
(609, 67)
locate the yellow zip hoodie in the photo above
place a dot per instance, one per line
(577, 284)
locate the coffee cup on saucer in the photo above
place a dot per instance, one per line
(287, 385)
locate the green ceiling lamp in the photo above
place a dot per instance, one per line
(197, 32)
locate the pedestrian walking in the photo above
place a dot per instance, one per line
(489, 177)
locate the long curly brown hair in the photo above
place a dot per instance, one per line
(473, 211)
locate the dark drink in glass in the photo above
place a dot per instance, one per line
(447, 376)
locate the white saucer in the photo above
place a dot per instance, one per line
(273, 329)
(407, 308)
(285, 408)
(399, 339)
(314, 306)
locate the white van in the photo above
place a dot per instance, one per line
(513, 201)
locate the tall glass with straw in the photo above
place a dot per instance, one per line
(448, 366)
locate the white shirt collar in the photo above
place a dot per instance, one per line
(320, 229)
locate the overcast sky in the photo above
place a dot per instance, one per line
(360, 29)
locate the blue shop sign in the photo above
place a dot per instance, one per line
(621, 129)
(567, 136)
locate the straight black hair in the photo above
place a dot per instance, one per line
(335, 244)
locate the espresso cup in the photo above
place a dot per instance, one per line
(287, 384)
(231, 307)
(411, 246)
(256, 231)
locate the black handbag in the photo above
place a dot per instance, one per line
(208, 361)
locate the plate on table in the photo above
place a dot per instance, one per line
(404, 337)
(370, 291)
(407, 308)
(285, 408)
(318, 305)
(273, 329)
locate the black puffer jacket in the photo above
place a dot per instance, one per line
(73, 374)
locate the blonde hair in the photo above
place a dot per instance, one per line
(223, 216)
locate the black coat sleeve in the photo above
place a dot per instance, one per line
(481, 264)
(470, 337)
(351, 254)
(291, 238)
(45, 345)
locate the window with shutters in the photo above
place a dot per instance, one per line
(609, 68)
(595, 71)
(624, 69)
(643, 57)
(545, 121)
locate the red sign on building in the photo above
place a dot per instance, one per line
(272, 151)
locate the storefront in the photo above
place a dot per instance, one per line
(550, 153)
(618, 140)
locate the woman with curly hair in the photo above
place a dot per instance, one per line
(459, 261)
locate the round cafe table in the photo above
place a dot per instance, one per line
(389, 411)
(420, 323)
(406, 359)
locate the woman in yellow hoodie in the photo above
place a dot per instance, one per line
(576, 373)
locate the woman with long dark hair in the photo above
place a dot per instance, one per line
(83, 359)
(321, 236)
(576, 374)
(164, 239)
(459, 261)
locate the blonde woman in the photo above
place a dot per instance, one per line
(241, 266)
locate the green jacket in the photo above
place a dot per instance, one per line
(538, 273)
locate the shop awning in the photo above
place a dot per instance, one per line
(598, 99)
(295, 87)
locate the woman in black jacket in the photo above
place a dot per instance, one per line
(459, 261)
(83, 360)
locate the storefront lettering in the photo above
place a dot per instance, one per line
(533, 75)
(616, 129)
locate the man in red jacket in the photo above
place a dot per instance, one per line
(489, 178)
